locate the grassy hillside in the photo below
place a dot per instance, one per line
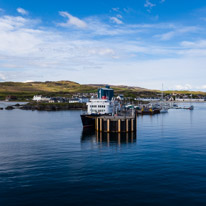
(59, 88)
(68, 88)
(50, 87)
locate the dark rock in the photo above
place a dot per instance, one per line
(52, 106)
(9, 108)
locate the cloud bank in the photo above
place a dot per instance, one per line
(92, 50)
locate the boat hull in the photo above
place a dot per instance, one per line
(88, 120)
(148, 112)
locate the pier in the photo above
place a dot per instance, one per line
(116, 124)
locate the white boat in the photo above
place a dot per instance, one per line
(190, 107)
(164, 107)
(164, 110)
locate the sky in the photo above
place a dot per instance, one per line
(143, 43)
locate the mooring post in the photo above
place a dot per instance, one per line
(100, 125)
(132, 125)
(97, 137)
(119, 125)
(132, 137)
(100, 138)
(108, 139)
(126, 125)
(119, 139)
(108, 125)
(97, 124)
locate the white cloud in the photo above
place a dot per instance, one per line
(72, 20)
(196, 44)
(183, 87)
(22, 11)
(116, 20)
(149, 5)
(115, 9)
(28, 81)
(119, 16)
(177, 31)
(128, 10)
(102, 51)
(162, 1)
(1, 10)
(2, 77)
(193, 48)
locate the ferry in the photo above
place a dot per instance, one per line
(103, 105)
(95, 108)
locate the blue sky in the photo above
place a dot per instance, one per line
(135, 42)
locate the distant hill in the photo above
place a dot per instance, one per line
(68, 88)
(55, 88)
(41, 87)
(58, 86)
(121, 87)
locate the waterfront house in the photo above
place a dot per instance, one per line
(83, 100)
(75, 100)
(10, 98)
(41, 98)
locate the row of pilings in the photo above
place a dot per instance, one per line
(116, 124)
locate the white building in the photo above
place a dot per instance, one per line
(120, 97)
(189, 100)
(83, 99)
(74, 100)
(40, 98)
(99, 106)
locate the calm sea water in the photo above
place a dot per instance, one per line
(46, 159)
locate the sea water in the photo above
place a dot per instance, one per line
(47, 159)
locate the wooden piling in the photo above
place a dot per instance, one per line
(132, 125)
(108, 125)
(97, 124)
(100, 122)
(127, 129)
(119, 125)
(108, 139)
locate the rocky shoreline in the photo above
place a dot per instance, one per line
(48, 106)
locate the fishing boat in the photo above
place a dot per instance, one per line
(164, 108)
(191, 107)
(148, 110)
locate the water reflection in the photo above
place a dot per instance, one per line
(107, 139)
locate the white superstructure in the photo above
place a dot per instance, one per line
(100, 106)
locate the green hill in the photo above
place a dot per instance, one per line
(58, 88)
(67, 88)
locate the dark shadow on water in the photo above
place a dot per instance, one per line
(107, 139)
